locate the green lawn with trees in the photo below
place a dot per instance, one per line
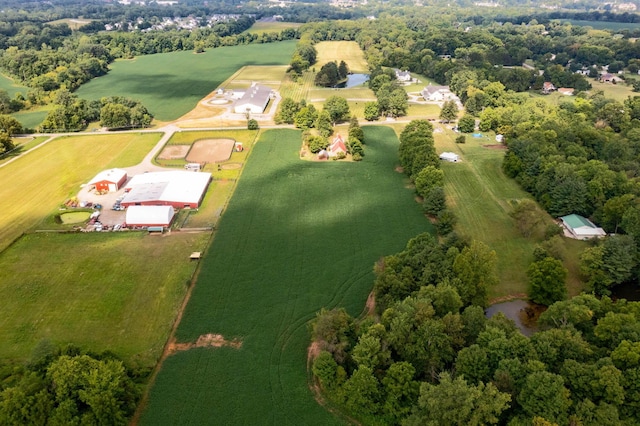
(310, 240)
(169, 91)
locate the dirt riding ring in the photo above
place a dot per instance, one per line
(174, 152)
(210, 151)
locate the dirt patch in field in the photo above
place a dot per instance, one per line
(211, 151)
(370, 306)
(174, 152)
(508, 298)
(495, 146)
(205, 341)
(231, 166)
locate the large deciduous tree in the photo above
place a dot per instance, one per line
(337, 107)
(547, 281)
(449, 112)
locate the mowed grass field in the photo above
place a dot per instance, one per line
(297, 236)
(479, 194)
(271, 27)
(38, 182)
(348, 51)
(101, 291)
(171, 84)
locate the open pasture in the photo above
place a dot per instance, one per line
(171, 84)
(348, 51)
(31, 119)
(73, 23)
(40, 181)
(269, 75)
(297, 236)
(117, 291)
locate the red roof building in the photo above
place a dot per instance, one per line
(109, 180)
(337, 147)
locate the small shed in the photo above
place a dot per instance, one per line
(450, 156)
(109, 180)
(150, 216)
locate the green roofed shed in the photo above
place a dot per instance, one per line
(581, 228)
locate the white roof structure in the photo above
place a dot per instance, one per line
(177, 187)
(449, 156)
(254, 100)
(149, 215)
(111, 175)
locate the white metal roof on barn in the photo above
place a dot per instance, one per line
(149, 215)
(256, 96)
(173, 186)
(111, 175)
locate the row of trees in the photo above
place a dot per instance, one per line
(431, 357)
(72, 114)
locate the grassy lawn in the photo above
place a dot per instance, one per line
(271, 27)
(297, 90)
(171, 84)
(296, 236)
(359, 92)
(116, 291)
(480, 194)
(424, 110)
(22, 145)
(44, 178)
(347, 51)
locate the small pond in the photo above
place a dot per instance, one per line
(514, 310)
(628, 290)
(353, 80)
(74, 217)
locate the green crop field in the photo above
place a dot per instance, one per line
(171, 84)
(479, 194)
(31, 119)
(297, 236)
(348, 51)
(43, 179)
(116, 291)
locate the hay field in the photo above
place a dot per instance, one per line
(295, 237)
(347, 51)
(40, 181)
(101, 291)
(172, 84)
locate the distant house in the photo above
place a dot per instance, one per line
(403, 76)
(109, 180)
(337, 146)
(450, 157)
(566, 91)
(581, 228)
(609, 78)
(548, 87)
(254, 100)
(438, 94)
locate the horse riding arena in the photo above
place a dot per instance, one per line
(201, 151)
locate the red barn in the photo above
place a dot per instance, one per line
(109, 180)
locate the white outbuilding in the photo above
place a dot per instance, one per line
(450, 156)
(149, 215)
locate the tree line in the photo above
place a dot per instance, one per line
(428, 355)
